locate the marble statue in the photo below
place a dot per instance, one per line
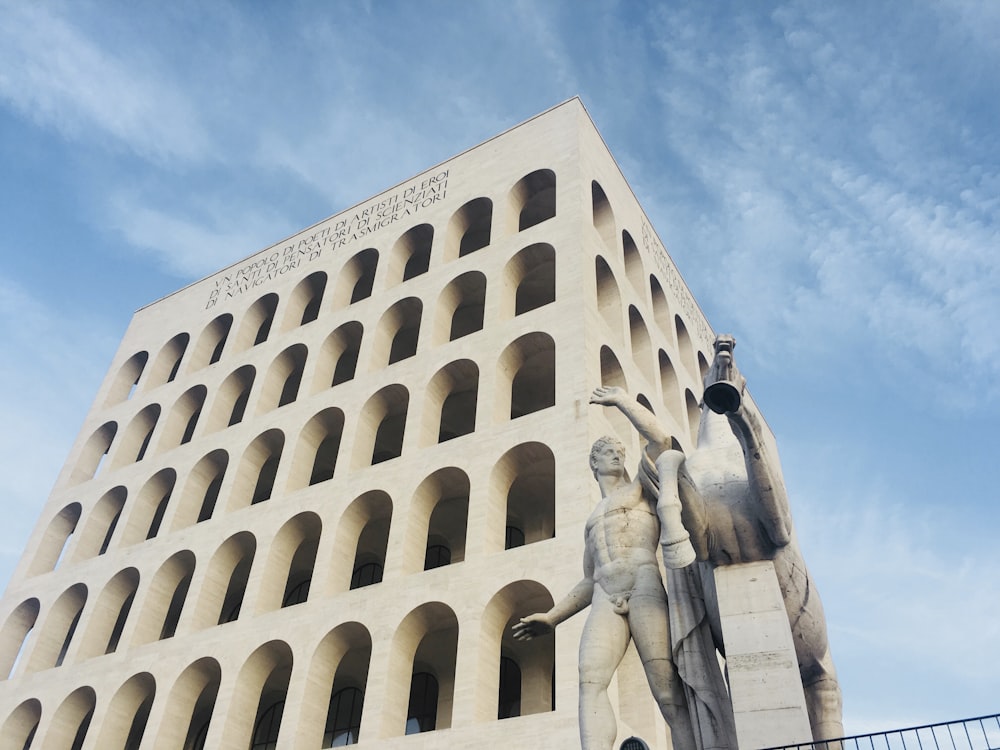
(622, 586)
(735, 509)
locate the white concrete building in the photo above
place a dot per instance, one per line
(316, 488)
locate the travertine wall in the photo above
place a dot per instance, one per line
(289, 446)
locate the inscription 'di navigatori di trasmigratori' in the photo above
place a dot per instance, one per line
(336, 233)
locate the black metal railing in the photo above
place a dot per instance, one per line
(979, 733)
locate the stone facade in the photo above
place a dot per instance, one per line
(346, 465)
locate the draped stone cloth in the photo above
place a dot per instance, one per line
(692, 647)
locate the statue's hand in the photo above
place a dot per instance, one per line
(608, 395)
(532, 626)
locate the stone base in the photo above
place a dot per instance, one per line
(768, 702)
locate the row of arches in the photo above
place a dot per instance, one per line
(531, 201)
(524, 383)
(518, 506)
(671, 325)
(334, 697)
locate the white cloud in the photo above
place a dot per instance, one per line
(193, 242)
(52, 73)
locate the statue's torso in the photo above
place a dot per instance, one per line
(621, 535)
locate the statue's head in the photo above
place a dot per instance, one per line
(601, 447)
(723, 382)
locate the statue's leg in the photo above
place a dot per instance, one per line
(650, 631)
(602, 646)
(819, 677)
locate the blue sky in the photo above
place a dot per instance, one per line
(826, 177)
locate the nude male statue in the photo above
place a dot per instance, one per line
(622, 586)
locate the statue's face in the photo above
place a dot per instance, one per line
(607, 460)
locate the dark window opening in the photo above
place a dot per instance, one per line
(343, 720)
(513, 537)
(191, 424)
(239, 407)
(161, 509)
(366, 575)
(509, 699)
(346, 366)
(265, 734)
(174, 610)
(291, 388)
(211, 497)
(421, 715)
(265, 480)
(326, 459)
(116, 631)
(437, 556)
(404, 343)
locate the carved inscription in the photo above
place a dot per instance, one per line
(338, 232)
(693, 316)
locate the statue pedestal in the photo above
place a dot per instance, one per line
(768, 703)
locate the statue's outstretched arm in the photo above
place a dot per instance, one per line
(642, 419)
(579, 598)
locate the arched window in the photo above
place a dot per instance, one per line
(609, 301)
(315, 457)
(533, 199)
(451, 399)
(231, 399)
(669, 390)
(161, 614)
(183, 418)
(20, 727)
(258, 470)
(305, 301)
(437, 556)
(421, 713)
(343, 722)
(101, 523)
(58, 629)
(530, 279)
(460, 307)
(127, 714)
(530, 364)
(145, 513)
(469, 228)
(411, 255)
(633, 264)
(642, 353)
(211, 342)
(397, 332)
(220, 595)
(93, 453)
(127, 379)
(604, 217)
(189, 707)
(661, 310)
(686, 347)
(367, 520)
(71, 720)
(338, 359)
(14, 635)
(356, 279)
(168, 361)
(524, 669)
(381, 426)
(281, 385)
(135, 440)
(256, 324)
(693, 415)
(107, 619)
(523, 496)
(56, 539)
(433, 629)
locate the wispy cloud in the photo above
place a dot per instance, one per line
(53, 73)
